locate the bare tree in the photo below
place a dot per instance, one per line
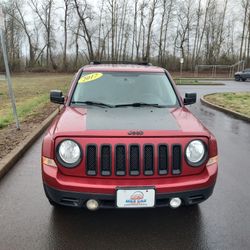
(208, 5)
(140, 45)
(150, 23)
(122, 34)
(83, 14)
(167, 7)
(163, 14)
(169, 18)
(157, 30)
(134, 35)
(18, 16)
(245, 5)
(44, 14)
(197, 32)
(100, 27)
(185, 14)
(65, 26)
(221, 28)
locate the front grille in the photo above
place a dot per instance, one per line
(148, 160)
(133, 159)
(105, 160)
(163, 159)
(176, 160)
(91, 160)
(120, 160)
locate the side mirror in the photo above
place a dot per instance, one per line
(56, 96)
(190, 98)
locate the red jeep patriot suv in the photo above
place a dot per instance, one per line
(124, 139)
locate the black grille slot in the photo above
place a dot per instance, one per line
(134, 163)
(176, 166)
(120, 160)
(148, 160)
(163, 159)
(91, 160)
(106, 160)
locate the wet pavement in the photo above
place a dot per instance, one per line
(27, 221)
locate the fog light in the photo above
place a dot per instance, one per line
(92, 204)
(175, 202)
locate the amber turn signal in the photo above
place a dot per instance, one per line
(49, 162)
(212, 160)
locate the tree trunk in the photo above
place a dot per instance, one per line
(65, 63)
(134, 36)
(151, 20)
(243, 28)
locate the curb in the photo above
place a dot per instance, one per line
(224, 110)
(203, 79)
(200, 84)
(10, 159)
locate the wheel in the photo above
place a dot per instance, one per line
(237, 78)
(243, 79)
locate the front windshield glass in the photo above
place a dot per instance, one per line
(117, 88)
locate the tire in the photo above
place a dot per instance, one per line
(243, 79)
(237, 78)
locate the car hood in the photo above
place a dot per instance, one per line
(111, 122)
(238, 72)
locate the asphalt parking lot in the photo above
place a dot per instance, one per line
(27, 221)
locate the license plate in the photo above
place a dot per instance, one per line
(132, 198)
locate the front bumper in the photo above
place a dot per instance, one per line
(74, 191)
(76, 199)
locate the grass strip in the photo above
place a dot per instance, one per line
(239, 101)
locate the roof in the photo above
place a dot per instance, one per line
(122, 68)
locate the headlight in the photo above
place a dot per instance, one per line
(196, 153)
(69, 153)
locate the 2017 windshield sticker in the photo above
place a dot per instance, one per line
(90, 77)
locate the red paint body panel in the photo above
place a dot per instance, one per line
(72, 122)
(54, 178)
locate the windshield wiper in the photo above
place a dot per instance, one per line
(140, 104)
(93, 103)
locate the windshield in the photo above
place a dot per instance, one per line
(118, 88)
